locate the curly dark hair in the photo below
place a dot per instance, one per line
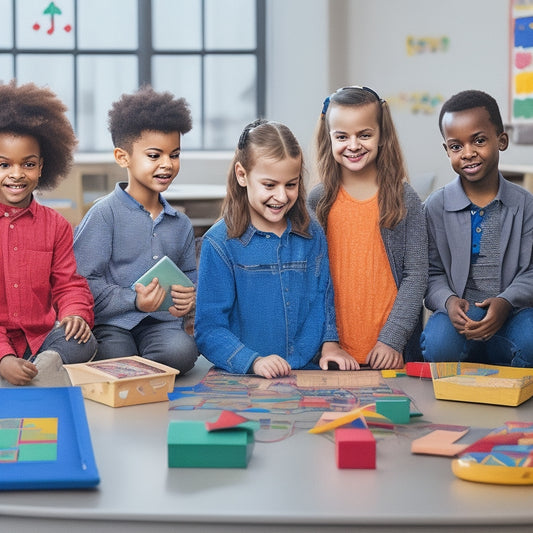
(38, 112)
(470, 99)
(146, 110)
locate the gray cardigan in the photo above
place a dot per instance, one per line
(406, 247)
(448, 219)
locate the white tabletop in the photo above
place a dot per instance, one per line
(289, 485)
(185, 191)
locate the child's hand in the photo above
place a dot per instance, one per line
(271, 366)
(76, 327)
(149, 298)
(16, 370)
(383, 356)
(457, 308)
(498, 310)
(183, 298)
(332, 352)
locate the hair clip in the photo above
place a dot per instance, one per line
(362, 88)
(325, 105)
(246, 131)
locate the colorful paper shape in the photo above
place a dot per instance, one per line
(439, 442)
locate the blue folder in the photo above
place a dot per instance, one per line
(40, 462)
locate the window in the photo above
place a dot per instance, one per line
(89, 52)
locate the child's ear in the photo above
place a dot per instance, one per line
(503, 141)
(121, 157)
(241, 174)
(445, 149)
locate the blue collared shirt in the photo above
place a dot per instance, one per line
(261, 294)
(117, 241)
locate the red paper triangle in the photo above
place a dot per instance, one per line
(227, 419)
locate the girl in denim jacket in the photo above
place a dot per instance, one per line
(265, 299)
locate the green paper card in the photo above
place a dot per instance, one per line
(168, 274)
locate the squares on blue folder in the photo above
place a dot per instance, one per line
(44, 440)
(166, 271)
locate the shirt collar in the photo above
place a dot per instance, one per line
(247, 236)
(134, 204)
(13, 212)
(455, 198)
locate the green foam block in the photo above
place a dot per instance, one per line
(190, 445)
(395, 408)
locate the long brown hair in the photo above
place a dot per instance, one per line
(391, 170)
(262, 138)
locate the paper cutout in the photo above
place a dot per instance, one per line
(227, 419)
(439, 442)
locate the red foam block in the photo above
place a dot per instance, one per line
(355, 448)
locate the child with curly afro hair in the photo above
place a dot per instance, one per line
(46, 307)
(127, 232)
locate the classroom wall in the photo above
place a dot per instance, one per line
(319, 45)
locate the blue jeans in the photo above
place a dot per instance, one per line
(164, 342)
(70, 351)
(512, 345)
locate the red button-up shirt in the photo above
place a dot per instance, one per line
(38, 282)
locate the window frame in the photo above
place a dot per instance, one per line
(145, 52)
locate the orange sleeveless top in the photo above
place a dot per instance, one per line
(365, 289)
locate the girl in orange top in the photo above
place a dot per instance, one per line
(375, 228)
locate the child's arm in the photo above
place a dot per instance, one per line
(332, 352)
(215, 301)
(17, 371)
(498, 310)
(184, 299)
(383, 356)
(76, 327)
(71, 295)
(93, 246)
(457, 308)
(271, 366)
(411, 235)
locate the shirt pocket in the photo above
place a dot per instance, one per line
(38, 265)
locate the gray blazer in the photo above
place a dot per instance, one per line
(449, 228)
(406, 247)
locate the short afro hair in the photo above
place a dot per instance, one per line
(37, 112)
(146, 110)
(469, 100)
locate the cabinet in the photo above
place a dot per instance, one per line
(520, 174)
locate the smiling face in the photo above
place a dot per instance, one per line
(354, 134)
(20, 169)
(272, 188)
(152, 163)
(473, 145)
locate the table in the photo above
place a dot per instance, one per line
(292, 485)
(201, 203)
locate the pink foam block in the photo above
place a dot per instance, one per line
(355, 448)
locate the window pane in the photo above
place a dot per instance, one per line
(6, 68)
(229, 106)
(105, 24)
(45, 25)
(230, 24)
(6, 35)
(54, 71)
(177, 24)
(101, 81)
(181, 75)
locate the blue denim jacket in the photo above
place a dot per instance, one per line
(261, 294)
